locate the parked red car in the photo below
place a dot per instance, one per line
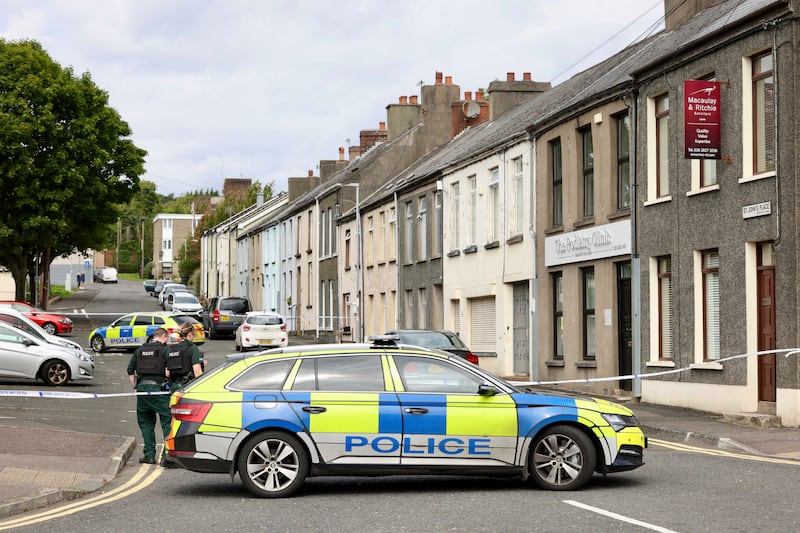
(52, 323)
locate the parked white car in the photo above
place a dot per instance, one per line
(25, 356)
(261, 329)
(183, 302)
(108, 275)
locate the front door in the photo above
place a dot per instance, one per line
(766, 323)
(521, 317)
(624, 332)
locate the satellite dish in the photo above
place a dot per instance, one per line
(471, 109)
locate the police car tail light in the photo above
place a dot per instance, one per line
(471, 357)
(190, 412)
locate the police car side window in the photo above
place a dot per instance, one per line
(142, 321)
(341, 373)
(264, 376)
(425, 374)
(159, 321)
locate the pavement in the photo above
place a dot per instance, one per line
(41, 467)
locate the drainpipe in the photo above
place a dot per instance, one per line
(397, 262)
(316, 304)
(636, 266)
(533, 299)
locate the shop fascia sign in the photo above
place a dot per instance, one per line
(597, 242)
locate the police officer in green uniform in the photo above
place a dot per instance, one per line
(184, 360)
(147, 373)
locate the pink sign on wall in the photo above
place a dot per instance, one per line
(702, 108)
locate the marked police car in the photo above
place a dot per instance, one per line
(282, 415)
(134, 329)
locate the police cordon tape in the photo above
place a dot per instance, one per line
(649, 375)
(87, 395)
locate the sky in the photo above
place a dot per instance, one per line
(265, 89)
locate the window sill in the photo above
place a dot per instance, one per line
(710, 188)
(586, 364)
(660, 364)
(491, 245)
(454, 253)
(622, 213)
(655, 201)
(347, 268)
(298, 255)
(309, 251)
(584, 222)
(706, 366)
(756, 177)
(470, 249)
(554, 229)
(515, 239)
(556, 363)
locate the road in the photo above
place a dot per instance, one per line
(679, 489)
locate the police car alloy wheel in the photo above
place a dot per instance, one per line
(273, 465)
(563, 459)
(97, 343)
(55, 373)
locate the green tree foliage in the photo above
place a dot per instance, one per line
(66, 161)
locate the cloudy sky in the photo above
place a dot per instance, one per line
(265, 89)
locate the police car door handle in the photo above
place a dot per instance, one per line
(415, 410)
(314, 409)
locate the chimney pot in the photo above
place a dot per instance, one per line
(404, 99)
(341, 153)
(510, 76)
(467, 95)
(479, 96)
(382, 126)
(413, 99)
(438, 78)
(526, 76)
(310, 173)
(448, 80)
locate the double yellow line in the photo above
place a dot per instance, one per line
(146, 475)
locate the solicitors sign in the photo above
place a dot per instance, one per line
(702, 108)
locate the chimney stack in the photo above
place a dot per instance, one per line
(503, 95)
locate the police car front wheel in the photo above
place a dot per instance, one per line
(97, 344)
(563, 458)
(273, 465)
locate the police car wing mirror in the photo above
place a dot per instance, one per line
(485, 389)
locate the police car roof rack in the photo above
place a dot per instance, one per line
(384, 341)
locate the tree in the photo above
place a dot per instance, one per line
(66, 161)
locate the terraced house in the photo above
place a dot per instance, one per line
(623, 232)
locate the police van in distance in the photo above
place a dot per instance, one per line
(279, 416)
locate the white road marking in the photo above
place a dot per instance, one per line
(619, 517)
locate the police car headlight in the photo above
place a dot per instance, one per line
(619, 422)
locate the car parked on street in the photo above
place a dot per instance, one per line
(436, 339)
(52, 323)
(261, 329)
(168, 288)
(107, 275)
(222, 315)
(183, 302)
(26, 356)
(134, 329)
(149, 286)
(21, 321)
(282, 415)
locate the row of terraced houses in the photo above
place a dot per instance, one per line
(573, 233)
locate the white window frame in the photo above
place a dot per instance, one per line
(519, 196)
(495, 230)
(652, 152)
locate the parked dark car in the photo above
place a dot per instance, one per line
(222, 315)
(149, 286)
(437, 339)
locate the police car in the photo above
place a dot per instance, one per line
(280, 416)
(134, 329)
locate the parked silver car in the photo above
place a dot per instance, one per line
(183, 302)
(25, 356)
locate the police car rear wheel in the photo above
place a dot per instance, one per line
(273, 465)
(55, 373)
(563, 458)
(97, 344)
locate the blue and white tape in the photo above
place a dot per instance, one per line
(650, 375)
(73, 395)
(89, 395)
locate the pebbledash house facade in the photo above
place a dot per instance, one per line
(639, 219)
